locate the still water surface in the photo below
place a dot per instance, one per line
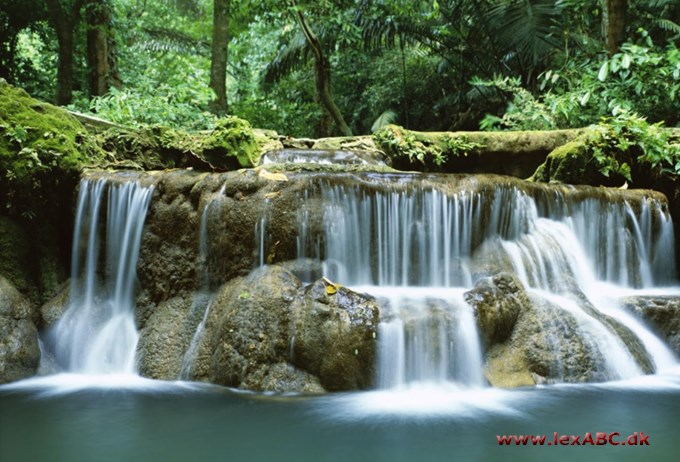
(76, 418)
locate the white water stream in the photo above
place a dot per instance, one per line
(97, 333)
(415, 249)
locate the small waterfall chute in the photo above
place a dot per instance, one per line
(97, 333)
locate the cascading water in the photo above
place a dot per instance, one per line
(204, 297)
(416, 248)
(97, 333)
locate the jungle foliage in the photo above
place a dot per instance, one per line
(331, 67)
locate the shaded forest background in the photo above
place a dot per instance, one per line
(340, 67)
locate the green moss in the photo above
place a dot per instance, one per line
(148, 148)
(231, 140)
(432, 149)
(584, 161)
(570, 163)
(40, 144)
(230, 146)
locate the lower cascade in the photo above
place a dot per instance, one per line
(97, 333)
(354, 281)
(420, 249)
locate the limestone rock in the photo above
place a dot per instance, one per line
(165, 337)
(248, 324)
(265, 332)
(529, 339)
(498, 302)
(661, 313)
(334, 332)
(54, 308)
(19, 350)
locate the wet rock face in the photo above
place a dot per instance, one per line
(19, 350)
(334, 331)
(530, 340)
(498, 302)
(237, 204)
(165, 338)
(662, 314)
(266, 332)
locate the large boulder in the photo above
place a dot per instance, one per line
(166, 336)
(334, 332)
(661, 313)
(19, 349)
(498, 302)
(265, 332)
(531, 339)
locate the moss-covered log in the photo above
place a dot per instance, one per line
(506, 153)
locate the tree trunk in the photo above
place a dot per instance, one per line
(218, 62)
(64, 23)
(323, 76)
(114, 71)
(614, 24)
(102, 65)
(97, 47)
(7, 53)
(65, 67)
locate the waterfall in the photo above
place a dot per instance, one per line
(426, 336)
(203, 299)
(97, 333)
(415, 245)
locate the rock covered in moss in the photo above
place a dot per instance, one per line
(516, 153)
(19, 350)
(573, 163)
(231, 144)
(40, 146)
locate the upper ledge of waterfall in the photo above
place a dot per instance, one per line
(269, 178)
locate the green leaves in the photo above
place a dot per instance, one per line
(604, 72)
(630, 135)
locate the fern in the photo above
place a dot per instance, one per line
(386, 118)
(668, 25)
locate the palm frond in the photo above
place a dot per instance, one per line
(668, 25)
(165, 40)
(291, 56)
(525, 28)
(386, 118)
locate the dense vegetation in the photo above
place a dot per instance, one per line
(329, 67)
(338, 67)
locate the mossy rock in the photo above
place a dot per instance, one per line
(571, 163)
(231, 144)
(148, 148)
(40, 145)
(597, 157)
